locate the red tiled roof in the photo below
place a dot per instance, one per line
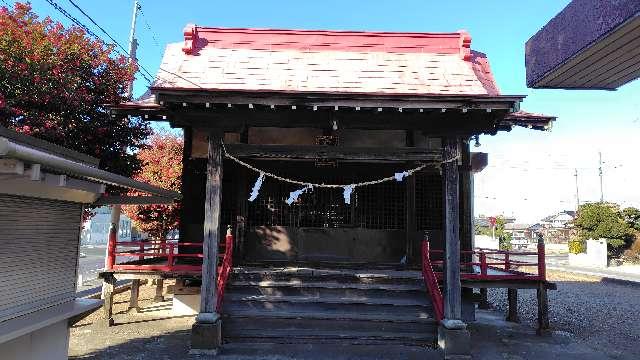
(219, 59)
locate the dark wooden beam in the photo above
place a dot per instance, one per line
(410, 225)
(212, 207)
(312, 152)
(133, 200)
(430, 122)
(453, 290)
(331, 100)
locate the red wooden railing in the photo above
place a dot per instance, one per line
(490, 265)
(155, 249)
(165, 251)
(431, 282)
(225, 268)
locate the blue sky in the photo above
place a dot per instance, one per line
(530, 173)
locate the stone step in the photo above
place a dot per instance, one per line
(335, 351)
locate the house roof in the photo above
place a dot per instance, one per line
(352, 62)
(516, 226)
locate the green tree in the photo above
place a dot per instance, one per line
(603, 220)
(631, 216)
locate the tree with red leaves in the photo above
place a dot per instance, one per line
(54, 84)
(161, 166)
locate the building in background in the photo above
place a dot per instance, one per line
(95, 231)
(557, 228)
(521, 235)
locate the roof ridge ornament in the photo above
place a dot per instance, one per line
(465, 45)
(190, 39)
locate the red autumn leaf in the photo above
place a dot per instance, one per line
(161, 166)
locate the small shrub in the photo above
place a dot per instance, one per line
(505, 241)
(632, 255)
(577, 246)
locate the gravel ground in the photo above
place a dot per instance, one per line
(153, 333)
(605, 315)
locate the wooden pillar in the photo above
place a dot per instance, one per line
(450, 173)
(135, 291)
(453, 336)
(159, 289)
(212, 207)
(242, 186)
(466, 224)
(512, 311)
(466, 202)
(543, 309)
(108, 286)
(484, 301)
(206, 333)
(411, 226)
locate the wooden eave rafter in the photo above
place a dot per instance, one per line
(169, 101)
(315, 152)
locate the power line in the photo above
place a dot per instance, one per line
(112, 39)
(148, 26)
(77, 22)
(135, 60)
(73, 19)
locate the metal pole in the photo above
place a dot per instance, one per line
(600, 172)
(109, 258)
(577, 192)
(133, 43)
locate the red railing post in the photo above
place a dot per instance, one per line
(170, 256)
(225, 268)
(542, 266)
(483, 263)
(431, 281)
(111, 248)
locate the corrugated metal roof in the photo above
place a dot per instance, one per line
(218, 59)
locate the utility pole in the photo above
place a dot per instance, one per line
(116, 209)
(577, 192)
(600, 172)
(133, 43)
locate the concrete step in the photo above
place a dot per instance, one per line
(336, 351)
(318, 290)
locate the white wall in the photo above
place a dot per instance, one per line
(596, 255)
(48, 343)
(486, 242)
